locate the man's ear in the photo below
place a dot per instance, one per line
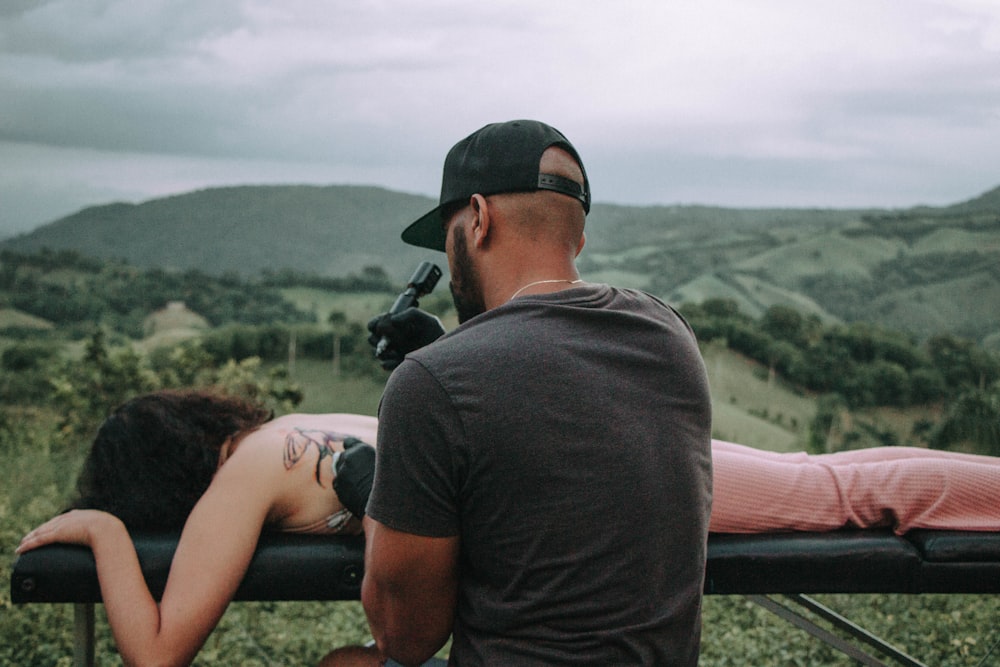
(481, 225)
(583, 242)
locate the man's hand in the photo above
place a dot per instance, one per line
(403, 332)
(355, 468)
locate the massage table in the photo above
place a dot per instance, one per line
(776, 571)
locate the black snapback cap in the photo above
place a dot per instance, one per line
(500, 157)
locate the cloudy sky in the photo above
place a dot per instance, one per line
(743, 103)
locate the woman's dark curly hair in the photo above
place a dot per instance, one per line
(155, 456)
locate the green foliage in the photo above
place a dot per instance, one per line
(829, 408)
(935, 629)
(25, 377)
(962, 363)
(923, 270)
(860, 366)
(121, 297)
(273, 343)
(27, 356)
(786, 324)
(973, 418)
(371, 279)
(250, 319)
(867, 365)
(86, 390)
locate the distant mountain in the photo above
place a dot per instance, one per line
(924, 270)
(330, 231)
(988, 202)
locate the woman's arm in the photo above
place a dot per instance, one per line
(213, 553)
(118, 569)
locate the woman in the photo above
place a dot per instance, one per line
(899, 487)
(218, 468)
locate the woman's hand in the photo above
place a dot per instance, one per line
(81, 527)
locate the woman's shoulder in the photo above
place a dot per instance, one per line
(336, 424)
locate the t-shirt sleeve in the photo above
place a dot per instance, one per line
(415, 486)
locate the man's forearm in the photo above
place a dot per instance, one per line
(409, 592)
(395, 637)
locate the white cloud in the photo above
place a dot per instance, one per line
(718, 100)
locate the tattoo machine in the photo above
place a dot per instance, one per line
(421, 283)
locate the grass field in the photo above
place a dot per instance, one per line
(356, 306)
(750, 408)
(327, 392)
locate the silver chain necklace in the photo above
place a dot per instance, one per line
(544, 282)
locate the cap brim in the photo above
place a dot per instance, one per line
(427, 231)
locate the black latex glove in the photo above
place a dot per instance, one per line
(405, 332)
(355, 469)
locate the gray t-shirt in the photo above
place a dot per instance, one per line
(565, 438)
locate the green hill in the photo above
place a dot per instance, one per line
(12, 318)
(922, 270)
(329, 231)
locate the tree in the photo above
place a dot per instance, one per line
(785, 358)
(26, 372)
(721, 308)
(974, 417)
(927, 385)
(889, 382)
(784, 323)
(86, 390)
(829, 411)
(962, 363)
(826, 366)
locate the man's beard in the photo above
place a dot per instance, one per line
(464, 285)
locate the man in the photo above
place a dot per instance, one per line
(543, 480)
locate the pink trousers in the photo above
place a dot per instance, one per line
(757, 491)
